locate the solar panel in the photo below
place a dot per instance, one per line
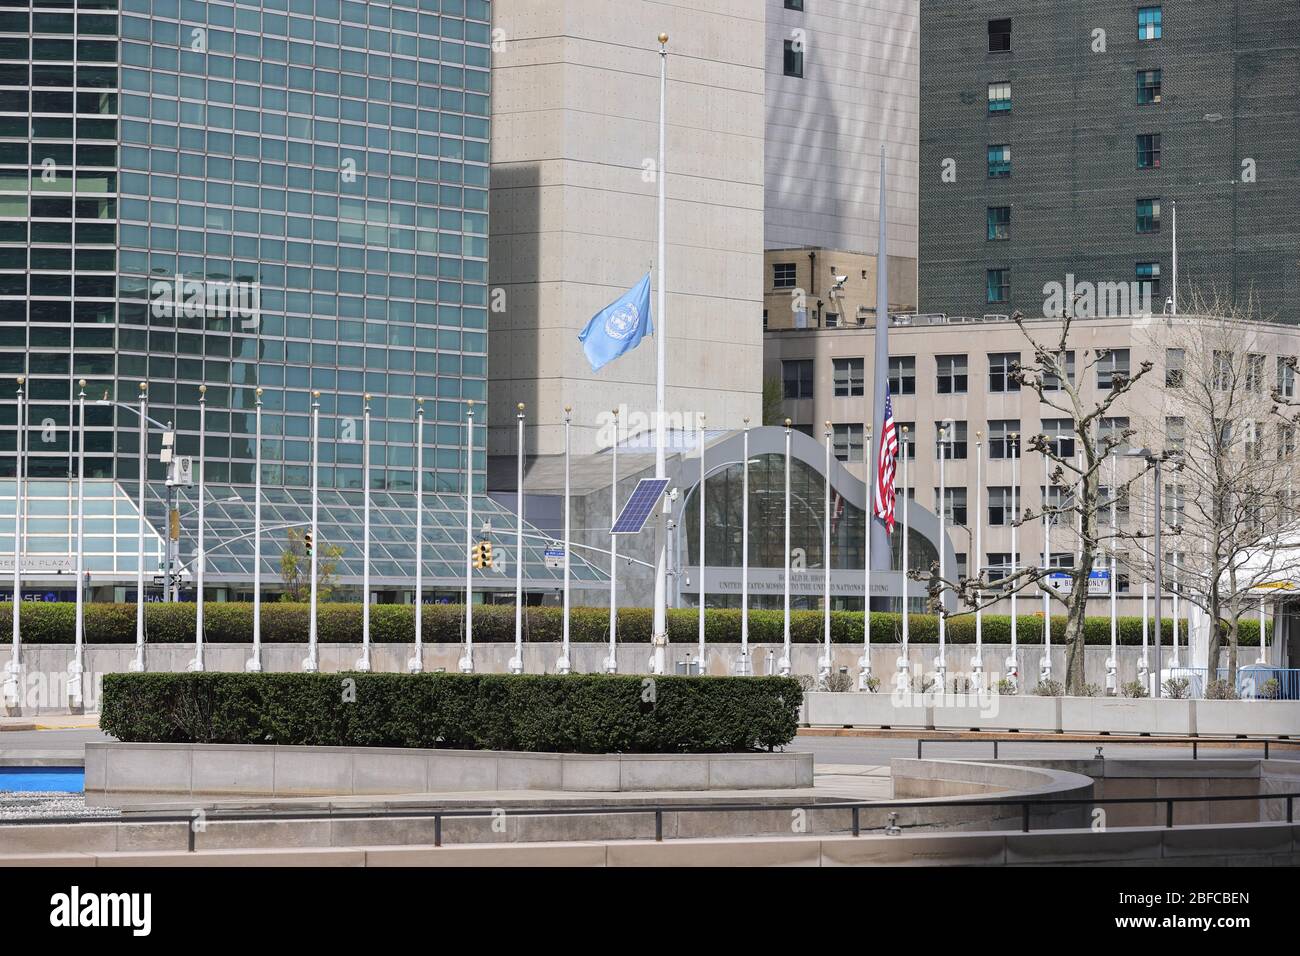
(645, 496)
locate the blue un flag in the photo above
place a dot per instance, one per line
(619, 326)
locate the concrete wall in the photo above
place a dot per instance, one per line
(45, 665)
(575, 110)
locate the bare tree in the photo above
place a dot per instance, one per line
(295, 568)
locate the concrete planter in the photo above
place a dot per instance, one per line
(280, 771)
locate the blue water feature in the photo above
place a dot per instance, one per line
(43, 779)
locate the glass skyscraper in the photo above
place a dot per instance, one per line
(284, 194)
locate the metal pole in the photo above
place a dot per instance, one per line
(254, 663)
(1173, 215)
(611, 662)
(200, 559)
(1176, 589)
(77, 666)
(785, 617)
(311, 664)
(1263, 640)
(903, 663)
(467, 660)
(977, 665)
(1045, 664)
(825, 664)
(1144, 672)
(744, 666)
(363, 662)
(137, 664)
(1112, 665)
(1013, 669)
(416, 664)
(864, 664)
(13, 670)
(702, 501)
(659, 637)
(563, 665)
(517, 662)
(940, 661)
(1157, 521)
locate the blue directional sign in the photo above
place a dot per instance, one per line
(645, 496)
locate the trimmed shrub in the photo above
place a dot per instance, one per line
(232, 623)
(577, 713)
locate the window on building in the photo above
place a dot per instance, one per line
(1114, 501)
(1175, 506)
(1059, 433)
(1113, 428)
(793, 59)
(999, 161)
(1252, 439)
(999, 286)
(1148, 215)
(950, 374)
(1111, 364)
(1000, 97)
(907, 442)
(954, 504)
(1175, 433)
(1286, 441)
(1051, 381)
(1255, 372)
(1001, 510)
(1175, 359)
(951, 436)
(1149, 23)
(797, 375)
(1148, 151)
(848, 442)
(1001, 565)
(1148, 87)
(999, 36)
(999, 222)
(1001, 444)
(794, 4)
(1056, 501)
(1221, 372)
(832, 320)
(902, 375)
(849, 377)
(1148, 279)
(1286, 376)
(765, 320)
(1001, 365)
(783, 275)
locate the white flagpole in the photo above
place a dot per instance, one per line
(254, 663)
(611, 662)
(1263, 641)
(784, 663)
(825, 663)
(76, 668)
(700, 433)
(312, 664)
(1112, 665)
(363, 662)
(1143, 665)
(904, 665)
(1013, 672)
(564, 665)
(1173, 215)
(977, 665)
(864, 663)
(200, 558)
(467, 660)
(743, 667)
(659, 637)
(517, 662)
(416, 664)
(137, 665)
(941, 660)
(13, 670)
(1045, 664)
(1177, 589)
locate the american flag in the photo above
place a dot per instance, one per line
(888, 462)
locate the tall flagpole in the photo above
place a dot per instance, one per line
(416, 664)
(467, 659)
(1173, 215)
(254, 663)
(13, 670)
(977, 665)
(1112, 665)
(137, 664)
(784, 664)
(77, 666)
(864, 663)
(824, 666)
(611, 662)
(564, 665)
(941, 660)
(1013, 668)
(743, 667)
(363, 662)
(200, 559)
(880, 549)
(517, 662)
(659, 637)
(1045, 664)
(904, 665)
(312, 664)
(700, 430)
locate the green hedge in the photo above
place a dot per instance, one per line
(580, 713)
(495, 623)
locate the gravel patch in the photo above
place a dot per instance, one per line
(21, 806)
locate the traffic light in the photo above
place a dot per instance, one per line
(306, 543)
(487, 553)
(482, 555)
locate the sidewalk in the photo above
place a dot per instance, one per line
(51, 722)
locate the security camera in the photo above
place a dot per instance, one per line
(840, 280)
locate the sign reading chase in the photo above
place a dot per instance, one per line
(195, 298)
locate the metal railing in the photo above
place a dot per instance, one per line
(1092, 740)
(1025, 806)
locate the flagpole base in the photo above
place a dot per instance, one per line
(466, 662)
(743, 665)
(309, 665)
(415, 665)
(363, 664)
(516, 665)
(611, 665)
